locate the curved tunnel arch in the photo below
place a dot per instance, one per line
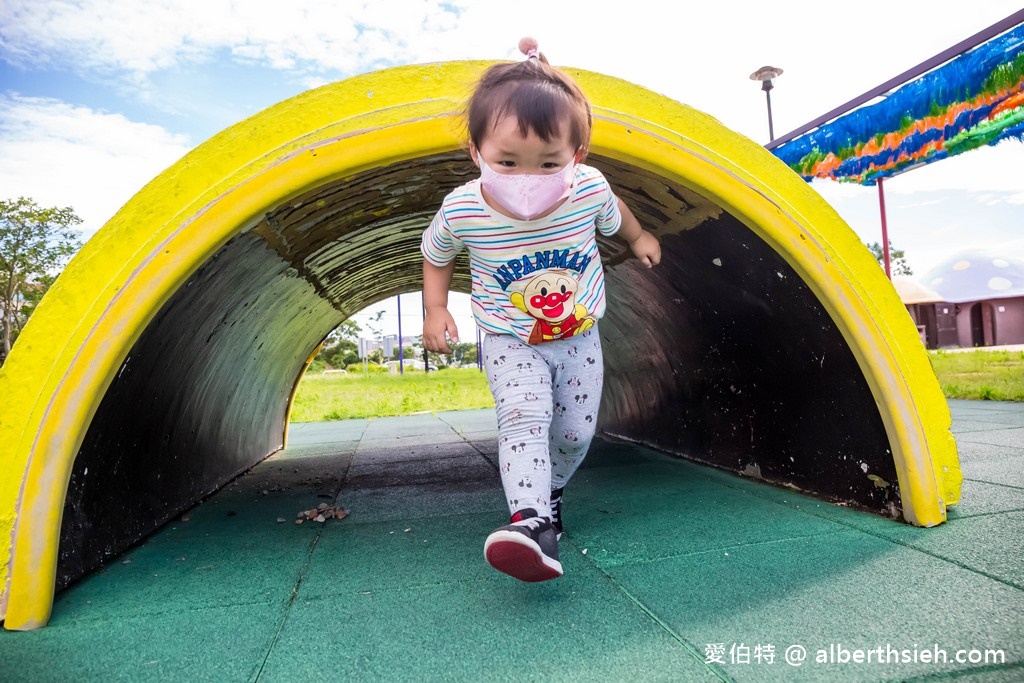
(166, 354)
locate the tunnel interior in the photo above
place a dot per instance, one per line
(721, 355)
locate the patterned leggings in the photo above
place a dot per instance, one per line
(547, 397)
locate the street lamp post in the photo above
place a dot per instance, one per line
(765, 74)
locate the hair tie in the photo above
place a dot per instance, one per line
(528, 46)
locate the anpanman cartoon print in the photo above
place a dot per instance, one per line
(550, 299)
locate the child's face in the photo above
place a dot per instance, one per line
(506, 151)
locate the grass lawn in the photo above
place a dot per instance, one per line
(980, 375)
(343, 396)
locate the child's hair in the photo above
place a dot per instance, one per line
(541, 97)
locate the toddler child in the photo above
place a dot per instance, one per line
(530, 223)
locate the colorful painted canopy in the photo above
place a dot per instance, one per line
(973, 100)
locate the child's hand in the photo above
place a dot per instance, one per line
(436, 324)
(647, 248)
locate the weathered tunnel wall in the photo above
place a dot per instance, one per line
(768, 342)
(722, 354)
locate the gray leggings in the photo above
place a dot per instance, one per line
(547, 397)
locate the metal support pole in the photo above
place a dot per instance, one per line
(426, 359)
(401, 361)
(765, 74)
(479, 351)
(885, 231)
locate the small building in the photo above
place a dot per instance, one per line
(390, 345)
(367, 346)
(973, 298)
(935, 317)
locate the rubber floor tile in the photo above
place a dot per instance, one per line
(988, 544)
(225, 644)
(852, 589)
(576, 628)
(423, 501)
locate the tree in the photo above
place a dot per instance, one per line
(407, 353)
(439, 360)
(464, 353)
(339, 355)
(35, 243)
(348, 330)
(374, 323)
(340, 349)
(897, 259)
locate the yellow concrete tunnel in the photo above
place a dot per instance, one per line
(162, 363)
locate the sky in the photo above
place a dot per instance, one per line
(97, 97)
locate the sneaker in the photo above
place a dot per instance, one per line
(556, 512)
(525, 549)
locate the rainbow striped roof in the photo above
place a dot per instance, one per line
(973, 100)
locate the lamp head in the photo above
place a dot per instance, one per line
(765, 74)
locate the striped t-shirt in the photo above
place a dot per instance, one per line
(538, 280)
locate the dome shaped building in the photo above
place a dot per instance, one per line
(982, 301)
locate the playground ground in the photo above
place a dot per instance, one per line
(672, 572)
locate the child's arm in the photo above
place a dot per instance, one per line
(645, 246)
(438, 320)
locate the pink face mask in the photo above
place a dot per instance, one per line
(526, 195)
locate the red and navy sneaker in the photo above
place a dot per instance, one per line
(526, 549)
(556, 512)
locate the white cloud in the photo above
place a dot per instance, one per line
(994, 170)
(62, 155)
(700, 54)
(931, 224)
(143, 37)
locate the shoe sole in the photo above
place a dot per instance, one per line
(516, 555)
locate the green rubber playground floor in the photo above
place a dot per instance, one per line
(672, 572)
